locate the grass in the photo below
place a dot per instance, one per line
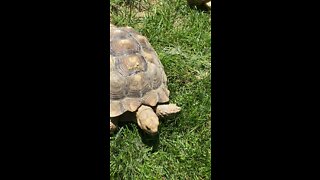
(182, 38)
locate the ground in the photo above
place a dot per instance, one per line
(182, 38)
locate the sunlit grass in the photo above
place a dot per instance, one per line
(182, 38)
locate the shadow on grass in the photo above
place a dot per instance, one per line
(148, 140)
(154, 141)
(151, 141)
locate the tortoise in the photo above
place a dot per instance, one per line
(138, 83)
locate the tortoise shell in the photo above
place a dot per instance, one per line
(136, 74)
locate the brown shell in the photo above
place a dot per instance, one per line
(136, 74)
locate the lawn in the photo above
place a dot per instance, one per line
(182, 38)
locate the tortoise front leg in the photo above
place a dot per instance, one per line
(167, 109)
(113, 126)
(208, 4)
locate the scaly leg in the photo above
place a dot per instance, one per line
(167, 109)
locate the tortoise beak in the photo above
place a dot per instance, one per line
(152, 133)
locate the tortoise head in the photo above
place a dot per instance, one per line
(147, 120)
